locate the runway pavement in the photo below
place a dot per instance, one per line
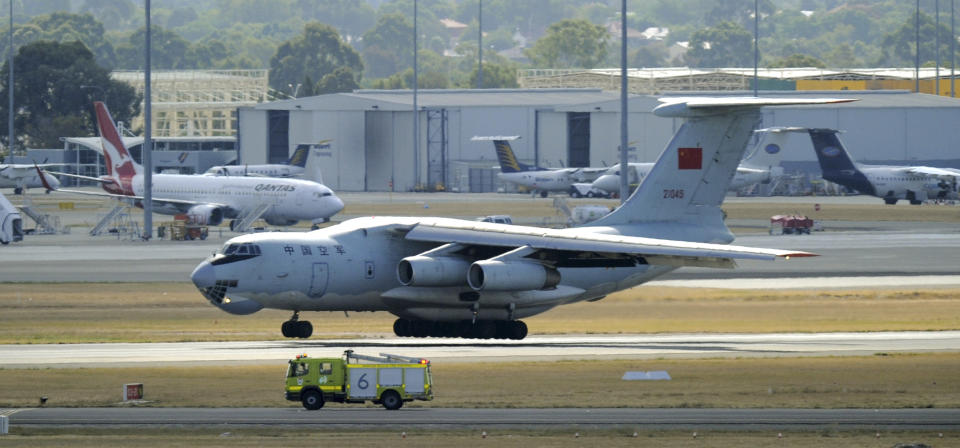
(541, 348)
(702, 419)
(67, 258)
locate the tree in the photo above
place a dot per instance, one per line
(118, 13)
(570, 43)
(169, 50)
(341, 80)
(316, 52)
(653, 54)
(65, 27)
(388, 47)
(52, 99)
(899, 47)
(496, 76)
(725, 45)
(798, 60)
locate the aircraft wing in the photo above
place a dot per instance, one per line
(931, 171)
(569, 248)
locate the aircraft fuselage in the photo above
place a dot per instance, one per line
(353, 267)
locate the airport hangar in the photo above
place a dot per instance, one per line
(371, 132)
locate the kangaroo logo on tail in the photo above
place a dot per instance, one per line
(120, 165)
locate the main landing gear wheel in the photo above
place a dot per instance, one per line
(481, 329)
(295, 328)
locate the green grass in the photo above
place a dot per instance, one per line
(165, 312)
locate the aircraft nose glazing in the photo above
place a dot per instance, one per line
(204, 276)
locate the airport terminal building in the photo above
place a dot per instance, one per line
(372, 137)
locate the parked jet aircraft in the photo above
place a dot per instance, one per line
(891, 183)
(23, 176)
(451, 277)
(537, 179)
(209, 199)
(302, 164)
(760, 165)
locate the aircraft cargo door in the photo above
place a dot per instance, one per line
(318, 282)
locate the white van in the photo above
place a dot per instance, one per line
(11, 227)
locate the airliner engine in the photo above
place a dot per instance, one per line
(419, 270)
(495, 275)
(205, 214)
(274, 221)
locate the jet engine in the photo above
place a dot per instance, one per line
(495, 275)
(420, 270)
(274, 221)
(206, 215)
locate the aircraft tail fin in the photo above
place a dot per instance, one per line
(312, 166)
(299, 157)
(120, 163)
(830, 151)
(768, 151)
(508, 160)
(681, 195)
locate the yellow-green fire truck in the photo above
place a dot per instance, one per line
(389, 380)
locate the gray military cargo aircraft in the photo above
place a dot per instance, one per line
(453, 278)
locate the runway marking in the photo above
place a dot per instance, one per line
(9, 412)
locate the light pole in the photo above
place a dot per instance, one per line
(479, 44)
(147, 153)
(10, 137)
(624, 165)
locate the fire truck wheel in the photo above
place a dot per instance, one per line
(391, 400)
(312, 400)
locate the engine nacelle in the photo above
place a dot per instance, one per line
(494, 275)
(274, 221)
(432, 271)
(205, 215)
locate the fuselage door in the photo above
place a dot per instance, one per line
(318, 282)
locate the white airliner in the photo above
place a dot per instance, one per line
(537, 179)
(762, 164)
(891, 183)
(302, 164)
(209, 199)
(23, 176)
(451, 277)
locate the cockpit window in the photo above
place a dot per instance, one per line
(327, 194)
(244, 250)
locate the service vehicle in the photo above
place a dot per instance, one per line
(11, 223)
(790, 225)
(389, 380)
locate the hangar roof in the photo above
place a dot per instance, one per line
(578, 100)
(402, 100)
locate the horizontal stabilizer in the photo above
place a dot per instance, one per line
(489, 138)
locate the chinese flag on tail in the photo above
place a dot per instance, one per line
(690, 158)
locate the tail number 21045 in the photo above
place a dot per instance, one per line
(673, 193)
